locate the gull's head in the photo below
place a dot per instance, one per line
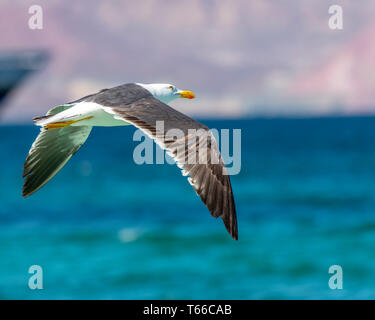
(167, 92)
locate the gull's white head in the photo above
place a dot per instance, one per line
(166, 92)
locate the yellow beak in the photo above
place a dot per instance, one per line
(187, 94)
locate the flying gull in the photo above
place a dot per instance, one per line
(65, 128)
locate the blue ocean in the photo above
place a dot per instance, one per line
(107, 228)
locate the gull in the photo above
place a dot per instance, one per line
(65, 128)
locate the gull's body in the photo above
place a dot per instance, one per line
(93, 113)
(65, 129)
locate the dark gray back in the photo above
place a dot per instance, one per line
(121, 95)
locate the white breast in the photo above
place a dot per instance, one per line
(96, 114)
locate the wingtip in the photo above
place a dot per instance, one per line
(27, 191)
(25, 194)
(234, 233)
(231, 227)
(230, 218)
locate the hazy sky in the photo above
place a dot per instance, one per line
(241, 58)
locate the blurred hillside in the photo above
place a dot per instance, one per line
(241, 58)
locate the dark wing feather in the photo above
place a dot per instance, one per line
(209, 179)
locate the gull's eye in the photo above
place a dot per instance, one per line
(171, 87)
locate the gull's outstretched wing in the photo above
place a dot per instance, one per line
(51, 150)
(209, 179)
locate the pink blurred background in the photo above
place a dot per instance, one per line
(242, 58)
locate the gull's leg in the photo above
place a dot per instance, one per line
(63, 124)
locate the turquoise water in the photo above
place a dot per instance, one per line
(106, 228)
